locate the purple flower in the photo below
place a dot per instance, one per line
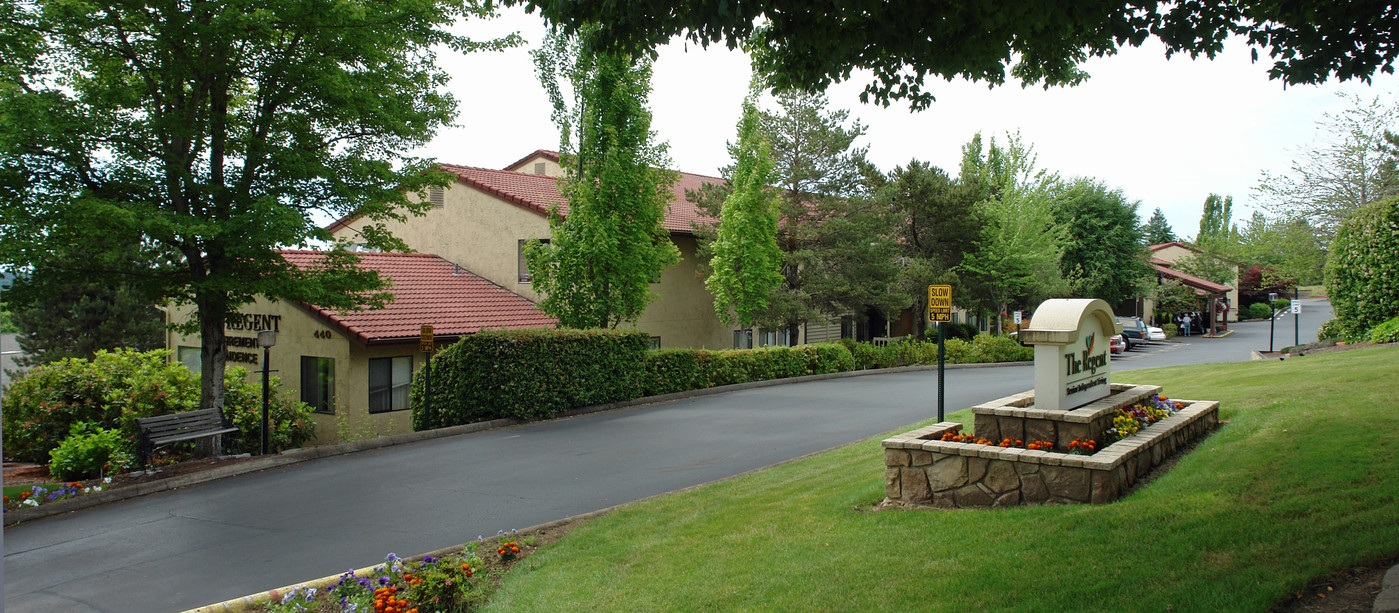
(383, 580)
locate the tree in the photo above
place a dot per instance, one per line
(1214, 221)
(1283, 248)
(1017, 252)
(1157, 230)
(1362, 265)
(905, 42)
(938, 224)
(746, 262)
(219, 132)
(608, 247)
(1102, 256)
(1346, 169)
(70, 313)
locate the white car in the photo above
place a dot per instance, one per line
(1154, 333)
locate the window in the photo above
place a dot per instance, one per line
(436, 196)
(389, 380)
(743, 339)
(655, 342)
(318, 383)
(525, 277)
(189, 356)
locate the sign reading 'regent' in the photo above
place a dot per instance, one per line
(1071, 339)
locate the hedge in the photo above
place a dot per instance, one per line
(1361, 267)
(534, 374)
(529, 374)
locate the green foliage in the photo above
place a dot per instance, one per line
(996, 348)
(1019, 248)
(1281, 304)
(746, 261)
(1330, 329)
(1157, 230)
(7, 322)
(901, 46)
(674, 370)
(1102, 255)
(111, 390)
(289, 419)
(1288, 248)
(89, 451)
(1362, 266)
(529, 374)
(1215, 222)
(1259, 310)
(1170, 329)
(1387, 332)
(609, 244)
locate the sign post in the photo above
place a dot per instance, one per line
(1296, 316)
(425, 344)
(940, 311)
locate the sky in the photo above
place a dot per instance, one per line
(1166, 132)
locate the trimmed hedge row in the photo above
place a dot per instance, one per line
(534, 374)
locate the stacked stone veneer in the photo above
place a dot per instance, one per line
(923, 471)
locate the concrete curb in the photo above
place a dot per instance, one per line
(294, 456)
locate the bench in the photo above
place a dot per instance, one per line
(163, 430)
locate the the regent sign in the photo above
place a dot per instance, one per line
(253, 322)
(1071, 339)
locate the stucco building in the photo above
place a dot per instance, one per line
(1221, 299)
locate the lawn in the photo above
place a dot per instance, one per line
(1298, 483)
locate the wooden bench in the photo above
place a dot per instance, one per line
(163, 430)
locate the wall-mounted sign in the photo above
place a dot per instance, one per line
(254, 322)
(1071, 338)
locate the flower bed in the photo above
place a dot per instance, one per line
(923, 469)
(38, 495)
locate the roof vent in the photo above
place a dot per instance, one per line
(435, 195)
(539, 168)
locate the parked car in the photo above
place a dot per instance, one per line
(1117, 345)
(1133, 331)
(1154, 333)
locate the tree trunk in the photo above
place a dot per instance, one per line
(212, 308)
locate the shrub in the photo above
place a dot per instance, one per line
(1281, 304)
(1387, 332)
(672, 370)
(1170, 329)
(111, 390)
(1259, 310)
(89, 451)
(1361, 266)
(1330, 330)
(825, 358)
(990, 348)
(289, 419)
(530, 374)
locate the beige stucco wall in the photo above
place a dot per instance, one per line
(683, 312)
(551, 168)
(297, 336)
(1175, 253)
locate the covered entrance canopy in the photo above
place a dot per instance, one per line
(1216, 295)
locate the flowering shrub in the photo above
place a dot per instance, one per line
(1130, 420)
(453, 583)
(89, 451)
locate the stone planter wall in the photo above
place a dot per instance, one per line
(1015, 417)
(923, 471)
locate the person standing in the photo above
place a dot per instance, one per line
(1185, 323)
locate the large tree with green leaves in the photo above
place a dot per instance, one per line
(903, 43)
(1215, 222)
(1018, 249)
(219, 132)
(1286, 248)
(1102, 256)
(938, 224)
(746, 262)
(609, 245)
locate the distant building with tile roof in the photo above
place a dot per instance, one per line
(355, 367)
(1222, 300)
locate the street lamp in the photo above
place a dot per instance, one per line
(265, 339)
(1272, 318)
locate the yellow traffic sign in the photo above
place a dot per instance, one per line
(940, 303)
(425, 341)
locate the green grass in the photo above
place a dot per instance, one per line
(1297, 484)
(12, 491)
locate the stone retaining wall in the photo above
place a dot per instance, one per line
(923, 471)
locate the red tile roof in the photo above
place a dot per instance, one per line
(538, 192)
(428, 290)
(1160, 246)
(552, 156)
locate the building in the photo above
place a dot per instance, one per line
(1221, 300)
(355, 368)
(483, 220)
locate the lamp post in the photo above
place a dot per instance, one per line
(1272, 318)
(265, 339)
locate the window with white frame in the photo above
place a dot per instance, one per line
(389, 382)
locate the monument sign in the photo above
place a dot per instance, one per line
(1071, 339)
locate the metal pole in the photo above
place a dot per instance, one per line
(1297, 319)
(266, 352)
(1272, 319)
(941, 355)
(427, 392)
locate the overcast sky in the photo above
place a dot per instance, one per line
(1167, 133)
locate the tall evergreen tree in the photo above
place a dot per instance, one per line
(1215, 220)
(746, 262)
(610, 244)
(1157, 230)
